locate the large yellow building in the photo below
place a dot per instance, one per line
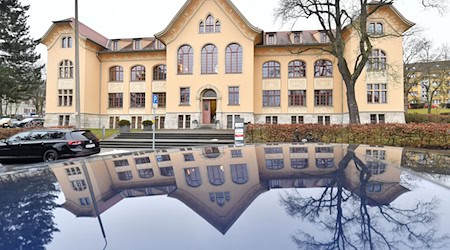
(210, 66)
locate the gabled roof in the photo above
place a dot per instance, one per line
(84, 30)
(186, 5)
(395, 10)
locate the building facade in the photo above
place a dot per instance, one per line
(210, 66)
(429, 82)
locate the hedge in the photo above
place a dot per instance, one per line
(7, 132)
(426, 135)
(427, 118)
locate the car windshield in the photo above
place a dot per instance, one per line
(277, 196)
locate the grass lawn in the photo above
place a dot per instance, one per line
(108, 132)
(425, 111)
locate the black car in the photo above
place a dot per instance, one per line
(30, 122)
(49, 145)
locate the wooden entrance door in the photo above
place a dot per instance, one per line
(206, 111)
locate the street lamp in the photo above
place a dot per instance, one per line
(77, 70)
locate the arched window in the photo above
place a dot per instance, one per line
(192, 176)
(297, 69)
(377, 60)
(138, 73)
(209, 27)
(233, 58)
(209, 59)
(116, 74)
(201, 27)
(160, 73)
(271, 70)
(66, 69)
(185, 60)
(215, 175)
(323, 68)
(239, 173)
(217, 26)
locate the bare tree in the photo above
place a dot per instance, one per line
(335, 18)
(355, 221)
(413, 46)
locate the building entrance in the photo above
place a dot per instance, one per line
(209, 106)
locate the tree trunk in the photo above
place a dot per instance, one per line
(353, 110)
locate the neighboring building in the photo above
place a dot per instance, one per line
(422, 74)
(219, 183)
(24, 108)
(210, 66)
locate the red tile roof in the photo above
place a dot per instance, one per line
(87, 32)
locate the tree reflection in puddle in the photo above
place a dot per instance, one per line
(351, 218)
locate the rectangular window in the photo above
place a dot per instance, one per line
(229, 121)
(271, 39)
(324, 149)
(85, 201)
(142, 160)
(184, 96)
(297, 38)
(236, 153)
(297, 119)
(274, 163)
(60, 120)
(324, 120)
(299, 163)
(298, 150)
(115, 45)
(73, 171)
(277, 150)
(121, 163)
(115, 100)
(271, 98)
(376, 93)
(180, 121)
(272, 119)
(137, 100)
(162, 158)
(324, 37)
(166, 171)
(188, 157)
(381, 119)
(187, 122)
(373, 119)
(297, 97)
(161, 99)
(65, 97)
(233, 95)
(323, 97)
(137, 44)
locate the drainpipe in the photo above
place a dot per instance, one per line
(100, 94)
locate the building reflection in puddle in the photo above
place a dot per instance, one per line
(219, 183)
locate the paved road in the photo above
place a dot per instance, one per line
(10, 167)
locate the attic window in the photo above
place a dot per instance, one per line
(66, 42)
(297, 37)
(375, 28)
(324, 37)
(115, 45)
(158, 44)
(137, 44)
(271, 38)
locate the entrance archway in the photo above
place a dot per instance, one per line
(209, 106)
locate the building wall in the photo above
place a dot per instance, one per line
(184, 30)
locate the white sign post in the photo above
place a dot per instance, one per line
(155, 106)
(239, 132)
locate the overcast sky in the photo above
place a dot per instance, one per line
(144, 18)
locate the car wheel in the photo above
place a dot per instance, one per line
(50, 155)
